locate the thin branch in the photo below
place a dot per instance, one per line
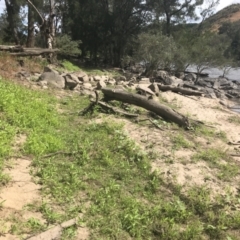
(40, 15)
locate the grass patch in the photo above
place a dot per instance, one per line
(205, 131)
(180, 141)
(71, 67)
(214, 158)
(103, 175)
(31, 113)
(234, 119)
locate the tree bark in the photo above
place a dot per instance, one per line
(34, 52)
(12, 17)
(31, 36)
(179, 90)
(141, 101)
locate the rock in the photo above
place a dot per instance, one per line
(161, 75)
(87, 86)
(101, 84)
(220, 94)
(86, 92)
(225, 104)
(203, 83)
(180, 75)
(144, 81)
(49, 68)
(53, 79)
(98, 78)
(82, 76)
(111, 82)
(71, 81)
(121, 78)
(42, 83)
(216, 84)
(190, 77)
(191, 86)
(174, 81)
(154, 88)
(143, 88)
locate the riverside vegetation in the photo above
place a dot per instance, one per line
(88, 167)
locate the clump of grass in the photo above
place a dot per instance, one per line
(214, 157)
(211, 155)
(180, 141)
(69, 66)
(205, 131)
(31, 113)
(234, 119)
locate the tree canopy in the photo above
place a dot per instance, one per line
(107, 31)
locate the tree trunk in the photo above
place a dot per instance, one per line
(12, 17)
(168, 25)
(31, 35)
(179, 90)
(150, 105)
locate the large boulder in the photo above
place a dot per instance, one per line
(71, 81)
(82, 76)
(101, 84)
(53, 79)
(154, 87)
(144, 81)
(172, 80)
(191, 77)
(161, 75)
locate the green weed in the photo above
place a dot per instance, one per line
(234, 119)
(180, 141)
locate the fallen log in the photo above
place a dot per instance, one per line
(116, 110)
(179, 90)
(11, 48)
(198, 74)
(148, 104)
(35, 52)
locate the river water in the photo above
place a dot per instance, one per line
(233, 74)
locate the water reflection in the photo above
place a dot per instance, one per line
(233, 74)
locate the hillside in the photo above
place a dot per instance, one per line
(228, 14)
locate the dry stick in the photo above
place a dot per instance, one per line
(235, 155)
(150, 120)
(54, 232)
(91, 105)
(116, 110)
(59, 152)
(231, 143)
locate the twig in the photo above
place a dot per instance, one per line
(91, 105)
(150, 120)
(235, 155)
(116, 110)
(189, 97)
(231, 143)
(58, 153)
(55, 232)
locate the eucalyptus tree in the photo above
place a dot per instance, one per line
(173, 12)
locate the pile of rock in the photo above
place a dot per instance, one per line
(85, 84)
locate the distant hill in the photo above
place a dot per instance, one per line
(228, 14)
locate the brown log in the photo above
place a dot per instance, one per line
(11, 48)
(179, 90)
(148, 104)
(29, 52)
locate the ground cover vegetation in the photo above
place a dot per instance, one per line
(90, 169)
